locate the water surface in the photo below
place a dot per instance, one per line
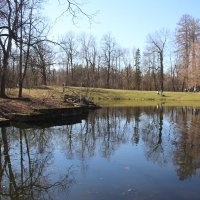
(115, 154)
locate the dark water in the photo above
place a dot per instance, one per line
(114, 154)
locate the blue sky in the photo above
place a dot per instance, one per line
(129, 21)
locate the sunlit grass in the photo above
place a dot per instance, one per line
(40, 92)
(113, 97)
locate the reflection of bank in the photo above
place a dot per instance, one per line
(40, 116)
(23, 171)
(58, 121)
(49, 118)
(4, 122)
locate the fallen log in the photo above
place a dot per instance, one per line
(80, 101)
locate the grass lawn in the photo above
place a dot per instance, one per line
(112, 97)
(146, 98)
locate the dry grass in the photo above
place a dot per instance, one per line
(36, 98)
(53, 97)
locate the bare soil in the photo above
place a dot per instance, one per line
(28, 105)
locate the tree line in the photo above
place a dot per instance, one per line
(170, 61)
(28, 58)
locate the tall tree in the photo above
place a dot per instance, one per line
(137, 69)
(108, 53)
(88, 53)
(187, 40)
(9, 18)
(157, 44)
(43, 57)
(124, 54)
(31, 31)
(18, 25)
(70, 47)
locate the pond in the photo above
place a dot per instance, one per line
(113, 154)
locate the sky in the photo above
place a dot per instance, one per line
(128, 21)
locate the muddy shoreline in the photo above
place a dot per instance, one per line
(36, 111)
(59, 115)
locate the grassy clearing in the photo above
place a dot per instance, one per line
(111, 97)
(145, 98)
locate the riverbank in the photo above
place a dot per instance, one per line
(51, 99)
(37, 110)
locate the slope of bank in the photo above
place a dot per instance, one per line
(37, 110)
(51, 99)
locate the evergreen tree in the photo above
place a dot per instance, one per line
(137, 69)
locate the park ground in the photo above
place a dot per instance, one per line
(53, 97)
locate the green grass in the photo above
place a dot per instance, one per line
(112, 97)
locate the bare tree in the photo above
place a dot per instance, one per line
(157, 44)
(31, 32)
(88, 53)
(151, 66)
(128, 70)
(70, 47)
(44, 59)
(18, 26)
(187, 40)
(9, 17)
(108, 53)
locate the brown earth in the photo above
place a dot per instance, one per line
(28, 105)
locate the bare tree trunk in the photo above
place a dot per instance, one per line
(23, 73)
(161, 72)
(4, 70)
(44, 76)
(108, 78)
(3, 77)
(21, 56)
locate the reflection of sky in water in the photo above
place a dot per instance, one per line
(118, 153)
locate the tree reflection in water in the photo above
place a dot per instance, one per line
(24, 169)
(153, 137)
(29, 157)
(168, 134)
